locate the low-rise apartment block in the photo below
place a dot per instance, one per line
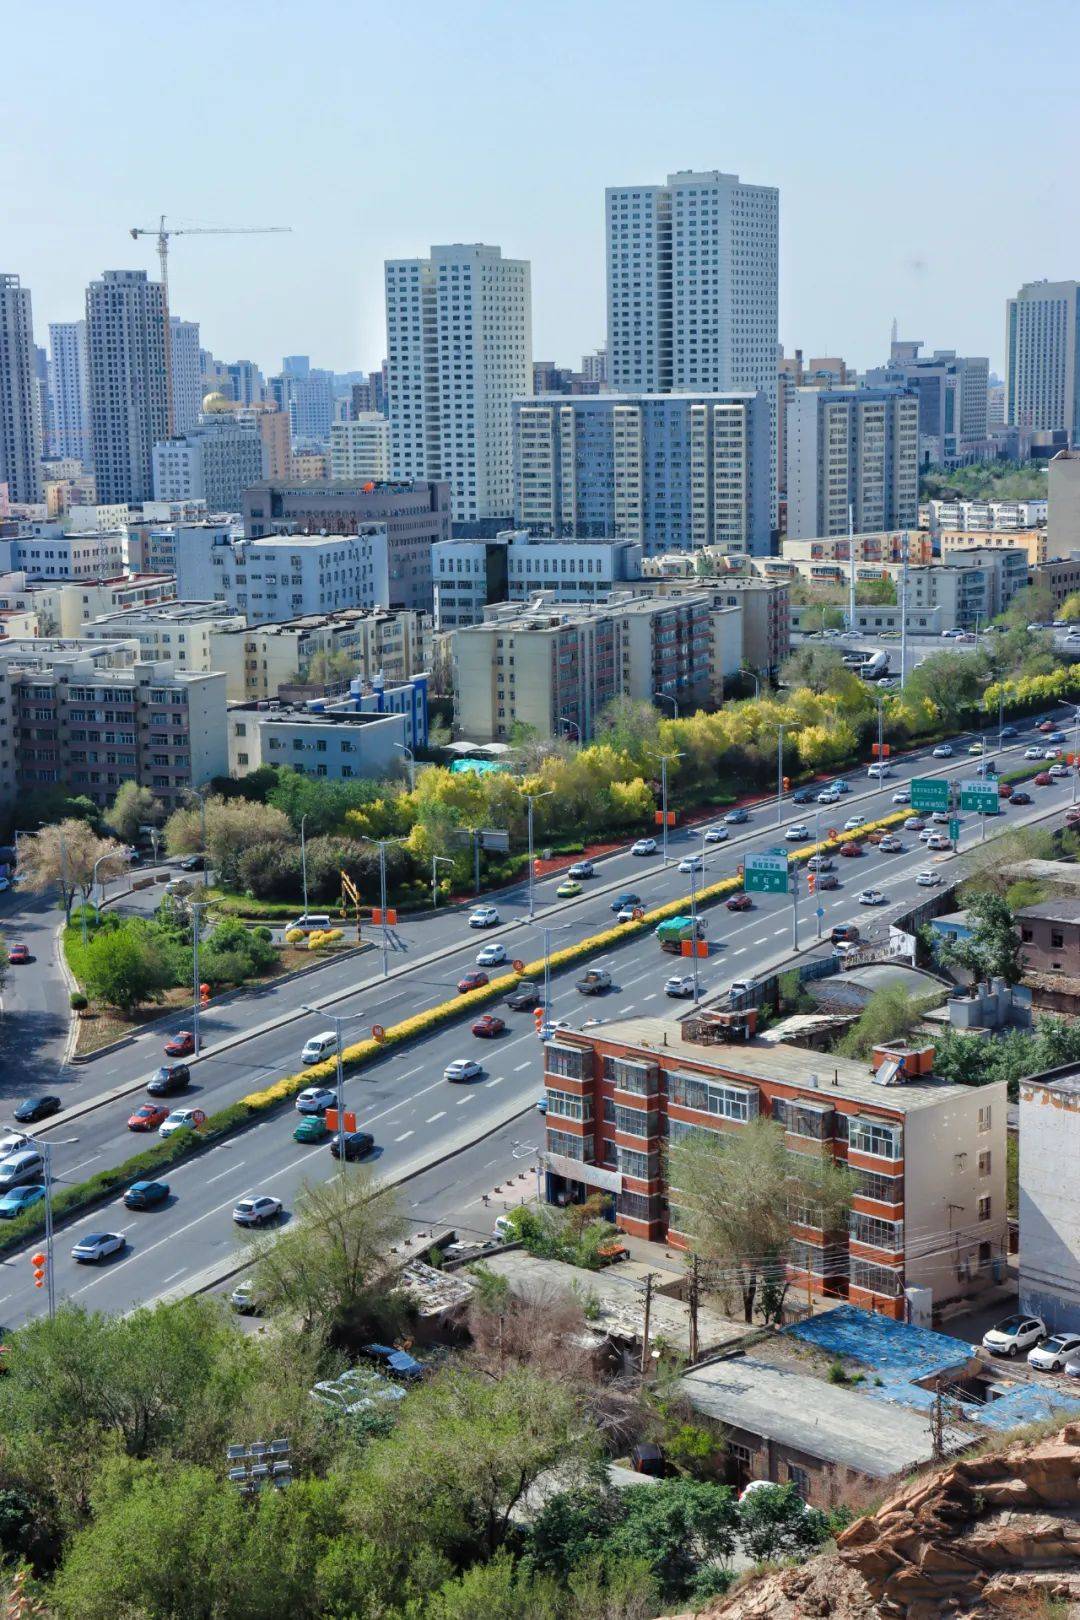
(1050, 937)
(179, 633)
(764, 606)
(66, 607)
(258, 660)
(1061, 576)
(890, 546)
(1000, 515)
(1050, 1198)
(471, 575)
(1032, 542)
(52, 554)
(284, 576)
(366, 733)
(927, 1158)
(971, 587)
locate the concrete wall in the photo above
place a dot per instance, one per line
(1050, 1202)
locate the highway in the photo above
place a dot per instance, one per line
(415, 1115)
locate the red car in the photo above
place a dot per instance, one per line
(1043, 779)
(1047, 725)
(472, 981)
(488, 1025)
(19, 953)
(148, 1117)
(851, 849)
(740, 902)
(181, 1045)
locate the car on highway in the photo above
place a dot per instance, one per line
(182, 1044)
(358, 1144)
(193, 863)
(489, 1024)
(802, 796)
(828, 796)
(146, 1194)
(581, 869)
(1044, 726)
(472, 981)
(148, 1117)
(939, 842)
(797, 832)
(914, 824)
(841, 786)
(926, 834)
(1044, 779)
(182, 1119)
(975, 748)
(851, 849)
(1051, 753)
(567, 889)
(1008, 731)
(552, 1026)
(739, 902)
(1020, 797)
(491, 955)
(1054, 736)
(820, 863)
(1033, 753)
(1013, 1334)
(526, 996)
(902, 796)
(828, 880)
(483, 917)
(890, 845)
(170, 1078)
(692, 863)
(940, 818)
(872, 897)
(315, 1100)
(594, 981)
(626, 914)
(312, 1128)
(927, 880)
(717, 835)
(943, 751)
(319, 1047)
(1054, 1352)
(737, 817)
(19, 1199)
(257, 1211)
(1059, 771)
(680, 984)
(627, 898)
(18, 955)
(852, 822)
(98, 1246)
(643, 846)
(462, 1069)
(879, 769)
(40, 1106)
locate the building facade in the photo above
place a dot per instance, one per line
(1050, 937)
(177, 633)
(853, 458)
(681, 471)
(283, 576)
(186, 368)
(215, 462)
(360, 448)
(952, 392)
(1049, 1200)
(69, 383)
(1042, 334)
(20, 410)
(1063, 504)
(472, 575)
(329, 649)
(997, 516)
(128, 413)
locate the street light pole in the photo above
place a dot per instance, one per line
(93, 886)
(411, 757)
(337, 1019)
(45, 1146)
(566, 720)
(529, 799)
(666, 697)
(436, 862)
(198, 794)
(779, 775)
(663, 797)
(303, 861)
(694, 936)
(1076, 752)
(196, 993)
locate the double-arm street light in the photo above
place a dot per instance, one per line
(381, 844)
(337, 1019)
(530, 798)
(411, 757)
(436, 862)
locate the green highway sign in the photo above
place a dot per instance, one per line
(766, 874)
(954, 829)
(929, 793)
(980, 795)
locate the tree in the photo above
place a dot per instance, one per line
(734, 1196)
(64, 857)
(820, 669)
(234, 953)
(890, 1014)
(231, 826)
(1070, 608)
(320, 803)
(950, 680)
(1033, 605)
(331, 668)
(133, 807)
(630, 726)
(875, 592)
(993, 949)
(777, 1524)
(125, 967)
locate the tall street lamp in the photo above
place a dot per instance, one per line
(381, 844)
(337, 1019)
(196, 908)
(566, 720)
(436, 862)
(411, 757)
(529, 799)
(666, 697)
(303, 862)
(779, 775)
(663, 797)
(45, 1146)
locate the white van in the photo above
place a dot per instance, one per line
(312, 922)
(26, 1165)
(319, 1047)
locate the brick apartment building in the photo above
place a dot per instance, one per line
(1050, 937)
(928, 1158)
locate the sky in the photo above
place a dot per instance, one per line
(924, 154)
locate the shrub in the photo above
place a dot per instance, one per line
(77, 1001)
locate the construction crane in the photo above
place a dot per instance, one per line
(163, 237)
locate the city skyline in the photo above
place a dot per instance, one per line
(871, 227)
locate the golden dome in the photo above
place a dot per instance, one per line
(215, 403)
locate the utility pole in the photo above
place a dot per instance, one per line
(694, 936)
(196, 990)
(529, 799)
(436, 862)
(851, 567)
(649, 1275)
(779, 775)
(903, 612)
(794, 908)
(663, 796)
(303, 861)
(694, 1300)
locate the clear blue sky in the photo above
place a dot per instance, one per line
(925, 155)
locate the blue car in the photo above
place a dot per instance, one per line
(146, 1194)
(735, 818)
(397, 1362)
(1055, 736)
(802, 796)
(629, 898)
(20, 1198)
(841, 786)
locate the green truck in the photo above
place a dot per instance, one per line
(672, 932)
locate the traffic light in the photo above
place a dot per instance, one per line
(811, 882)
(787, 784)
(38, 1263)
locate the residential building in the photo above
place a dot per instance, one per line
(126, 349)
(69, 382)
(852, 460)
(415, 515)
(360, 448)
(459, 348)
(309, 466)
(186, 368)
(372, 394)
(310, 404)
(273, 429)
(594, 367)
(928, 1158)
(1041, 347)
(892, 546)
(20, 413)
(970, 587)
(680, 471)
(151, 548)
(1062, 576)
(258, 661)
(57, 555)
(66, 486)
(766, 618)
(283, 575)
(821, 371)
(1005, 516)
(177, 633)
(1050, 937)
(1032, 542)
(1049, 1204)
(248, 386)
(364, 734)
(215, 462)
(554, 667)
(995, 405)
(952, 395)
(471, 575)
(1063, 504)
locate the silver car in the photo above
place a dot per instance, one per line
(99, 1246)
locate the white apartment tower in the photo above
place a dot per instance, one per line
(125, 341)
(69, 381)
(360, 449)
(1042, 363)
(459, 346)
(20, 415)
(187, 389)
(852, 450)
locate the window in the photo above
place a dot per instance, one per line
(877, 1137)
(875, 1279)
(985, 1118)
(880, 1234)
(1026, 934)
(569, 1146)
(572, 1062)
(984, 1162)
(727, 1099)
(800, 1479)
(569, 1106)
(985, 1203)
(636, 1121)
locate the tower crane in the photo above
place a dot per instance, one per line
(163, 236)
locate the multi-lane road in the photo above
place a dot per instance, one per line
(415, 1115)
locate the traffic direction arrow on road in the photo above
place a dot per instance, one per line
(929, 793)
(766, 874)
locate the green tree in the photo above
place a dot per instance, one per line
(777, 1524)
(890, 1014)
(875, 593)
(675, 1528)
(232, 825)
(125, 967)
(132, 808)
(993, 948)
(320, 803)
(63, 856)
(951, 681)
(630, 726)
(820, 669)
(1033, 605)
(234, 953)
(734, 1195)
(1070, 608)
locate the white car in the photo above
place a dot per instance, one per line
(680, 984)
(643, 846)
(552, 1027)
(99, 1246)
(926, 834)
(943, 751)
(927, 880)
(902, 796)
(891, 846)
(828, 796)
(182, 1119)
(691, 863)
(740, 987)
(491, 955)
(462, 1069)
(15, 1143)
(879, 769)
(940, 818)
(1060, 770)
(626, 914)
(871, 897)
(716, 835)
(1054, 1352)
(315, 1100)
(257, 1211)
(844, 947)
(938, 841)
(1033, 753)
(1051, 753)
(1015, 1333)
(483, 917)
(852, 822)
(796, 832)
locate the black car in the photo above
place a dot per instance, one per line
(626, 899)
(1020, 798)
(171, 1077)
(525, 996)
(358, 1144)
(1009, 731)
(193, 863)
(35, 1108)
(802, 796)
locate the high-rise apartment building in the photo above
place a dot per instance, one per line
(952, 393)
(820, 371)
(459, 343)
(20, 417)
(594, 366)
(311, 406)
(678, 471)
(187, 388)
(1042, 333)
(247, 382)
(215, 462)
(360, 448)
(852, 452)
(128, 415)
(70, 384)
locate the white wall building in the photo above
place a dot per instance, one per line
(126, 348)
(282, 576)
(1050, 1200)
(65, 556)
(470, 575)
(459, 347)
(187, 389)
(214, 463)
(327, 744)
(852, 453)
(178, 633)
(20, 414)
(360, 449)
(1041, 336)
(989, 515)
(69, 381)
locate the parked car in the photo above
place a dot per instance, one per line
(643, 846)
(927, 880)
(182, 1044)
(146, 1194)
(397, 1364)
(740, 902)
(594, 981)
(1013, 1334)
(462, 1069)
(568, 888)
(491, 955)
(627, 899)
(148, 1117)
(14, 1142)
(483, 917)
(489, 1024)
(581, 869)
(358, 1144)
(243, 1300)
(316, 1100)
(739, 987)
(182, 1119)
(170, 1078)
(797, 832)
(526, 996)
(943, 751)
(98, 1246)
(1054, 1352)
(257, 1211)
(848, 931)
(717, 835)
(18, 1199)
(851, 849)
(736, 817)
(18, 955)
(472, 981)
(680, 985)
(40, 1106)
(192, 863)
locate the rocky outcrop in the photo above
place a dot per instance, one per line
(981, 1539)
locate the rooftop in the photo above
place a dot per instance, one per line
(342, 619)
(1061, 910)
(271, 710)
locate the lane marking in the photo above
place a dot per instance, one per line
(404, 1137)
(230, 1171)
(518, 1067)
(440, 1115)
(497, 1081)
(469, 1097)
